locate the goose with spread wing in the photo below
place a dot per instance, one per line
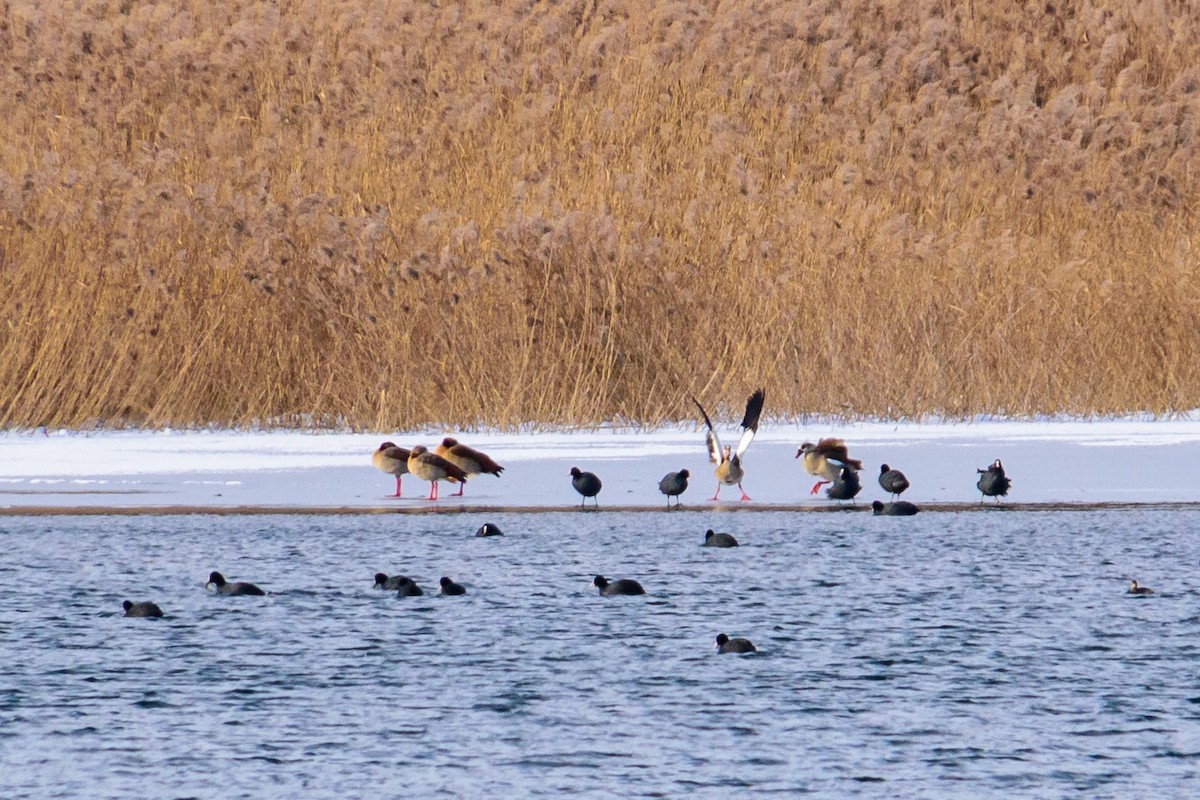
(825, 459)
(729, 469)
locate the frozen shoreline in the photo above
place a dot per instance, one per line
(1051, 462)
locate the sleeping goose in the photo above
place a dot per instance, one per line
(393, 460)
(433, 468)
(468, 459)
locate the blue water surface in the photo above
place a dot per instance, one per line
(992, 653)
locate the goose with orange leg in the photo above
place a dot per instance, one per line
(433, 468)
(825, 459)
(393, 460)
(468, 459)
(729, 470)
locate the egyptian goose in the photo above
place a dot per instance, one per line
(622, 586)
(739, 645)
(674, 484)
(825, 459)
(713, 539)
(224, 587)
(142, 609)
(1135, 589)
(468, 459)
(587, 484)
(893, 481)
(433, 468)
(900, 508)
(729, 466)
(393, 460)
(993, 482)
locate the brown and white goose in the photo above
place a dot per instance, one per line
(468, 459)
(825, 459)
(393, 460)
(729, 469)
(433, 468)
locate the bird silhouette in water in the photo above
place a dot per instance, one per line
(825, 459)
(587, 484)
(729, 469)
(893, 481)
(735, 645)
(993, 482)
(674, 484)
(846, 486)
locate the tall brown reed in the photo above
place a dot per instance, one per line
(394, 214)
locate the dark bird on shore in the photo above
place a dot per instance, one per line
(1142, 590)
(450, 587)
(825, 459)
(587, 484)
(430, 467)
(468, 459)
(893, 481)
(674, 484)
(846, 486)
(142, 609)
(622, 586)
(393, 460)
(899, 508)
(712, 539)
(489, 529)
(224, 587)
(729, 469)
(739, 645)
(993, 482)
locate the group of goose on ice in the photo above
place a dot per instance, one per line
(828, 460)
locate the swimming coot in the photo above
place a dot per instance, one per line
(239, 588)
(712, 539)
(450, 587)
(622, 586)
(142, 609)
(727, 645)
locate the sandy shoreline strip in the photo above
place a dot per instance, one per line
(260, 510)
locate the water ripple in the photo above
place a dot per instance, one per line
(950, 655)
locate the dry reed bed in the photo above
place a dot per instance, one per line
(394, 213)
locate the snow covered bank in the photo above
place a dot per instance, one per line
(1126, 461)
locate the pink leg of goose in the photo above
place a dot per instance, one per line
(743, 491)
(817, 486)
(397, 494)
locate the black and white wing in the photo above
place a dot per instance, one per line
(714, 444)
(754, 406)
